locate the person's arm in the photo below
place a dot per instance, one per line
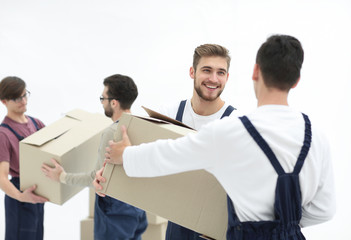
(97, 180)
(58, 174)
(10, 190)
(164, 157)
(84, 179)
(323, 205)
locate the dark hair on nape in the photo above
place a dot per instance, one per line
(11, 87)
(121, 88)
(280, 60)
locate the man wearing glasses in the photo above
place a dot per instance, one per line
(113, 219)
(24, 211)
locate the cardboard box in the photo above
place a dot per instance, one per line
(154, 219)
(193, 199)
(155, 232)
(73, 141)
(87, 229)
(91, 202)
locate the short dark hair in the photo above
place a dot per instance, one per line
(280, 60)
(210, 50)
(121, 88)
(11, 88)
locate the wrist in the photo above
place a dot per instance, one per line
(62, 177)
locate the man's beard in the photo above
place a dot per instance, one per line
(108, 111)
(202, 95)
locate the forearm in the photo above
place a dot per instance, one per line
(79, 179)
(166, 157)
(9, 189)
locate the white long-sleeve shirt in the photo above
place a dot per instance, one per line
(225, 149)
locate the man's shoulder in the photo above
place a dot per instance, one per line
(37, 121)
(110, 129)
(5, 133)
(169, 109)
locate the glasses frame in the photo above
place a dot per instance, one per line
(103, 98)
(20, 99)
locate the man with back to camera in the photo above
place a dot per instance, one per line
(210, 74)
(24, 211)
(274, 149)
(113, 219)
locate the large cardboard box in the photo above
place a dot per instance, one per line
(193, 199)
(73, 141)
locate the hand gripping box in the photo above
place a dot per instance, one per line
(193, 199)
(73, 141)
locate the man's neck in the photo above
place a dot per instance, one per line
(206, 108)
(272, 97)
(117, 115)
(17, 117)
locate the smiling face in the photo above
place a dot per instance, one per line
(210, 77)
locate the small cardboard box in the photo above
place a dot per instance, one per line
(154, 219)
(73, 141)
(87, 229)
(91, 202)
(155, 231)
(193, 199)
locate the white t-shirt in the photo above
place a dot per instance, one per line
(190, 118)
(225, 149)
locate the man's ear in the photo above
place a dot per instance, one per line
(115, 103)
(192, 72)
(255, 73)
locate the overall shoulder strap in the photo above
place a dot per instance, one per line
(180, 112)
(306, 145)
(34, 122)
(19, 137)
(262, 144)
(228, 111)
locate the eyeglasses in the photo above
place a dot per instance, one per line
(104, 98)
(20, 99)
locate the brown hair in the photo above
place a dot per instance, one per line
(11, 88)
(210, 50)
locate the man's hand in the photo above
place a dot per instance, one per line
(98, 179)
(52, 173)
(114, 153)
(30, 197)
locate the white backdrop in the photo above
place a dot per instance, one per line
(64, 49)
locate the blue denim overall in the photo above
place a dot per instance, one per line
(117, 220)
(175, 231)
(287, 205)
(24, 221)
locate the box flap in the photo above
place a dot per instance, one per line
(51, 132)
(79, 114)
(157, 115)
